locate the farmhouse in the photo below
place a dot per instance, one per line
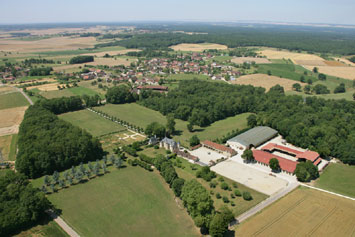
(169, 144)
(264, 157)
(252, 138)
(226, 151)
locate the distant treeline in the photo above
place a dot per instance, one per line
(38, 61)
(81, 59)
(47, 143)
(291, 39)
(114, 36)
(89, 34)
(326, 126)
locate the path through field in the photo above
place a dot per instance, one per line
(63, 224)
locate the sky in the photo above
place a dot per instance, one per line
(298, 11)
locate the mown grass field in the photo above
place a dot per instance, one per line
(91, 122)
(290, 71)
(126, 202)
(303, 212)
(44, 228)
(338, 178)
(8, 146)
(142, 116)
(11, 100)
(73, 91)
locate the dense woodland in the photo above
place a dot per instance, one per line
(47, 143)
(311, 39)
(327, 126)
(20, 204)
(81, 59)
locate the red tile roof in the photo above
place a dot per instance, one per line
(285, 164)
(308, 155)
(272, 146)
(219, 147)
(317, 162)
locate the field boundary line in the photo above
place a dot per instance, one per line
(326, 191)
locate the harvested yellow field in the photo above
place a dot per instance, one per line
(241, 60)
(276, 54)
(197, 47)
(6, 90)
(113, 53)
(45, 87)
(5, 146)
(266, 81)
(304, 212)
(97, 61)
(346, 61)
(334, 63)
(10, 120)
(314, 63)
(51, 44)
(342, 72)
(12, 116)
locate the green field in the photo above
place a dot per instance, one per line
(13, 147)
(290, 71)
(125, 202)
(338, 178)
(91, 122)
(44, 228)
(12, 100)
(142, 116)
(186, 76)
(73, 91)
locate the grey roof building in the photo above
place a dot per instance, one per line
(254, 137)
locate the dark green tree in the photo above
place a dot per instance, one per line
(248, 156)
(274, 164)
(194, 140)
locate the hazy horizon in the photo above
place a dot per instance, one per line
(105, 11)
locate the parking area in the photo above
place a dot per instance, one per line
(251, 177)
(206, 155)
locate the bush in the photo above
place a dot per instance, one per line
(247, 196)
(225, 199)
(224, 186)
(206, 174)
(237, 193)
(213, 184)
(232, 195)
(156, 147)
(218, 196)
(235, 185)
(232, 204)
(220, 179)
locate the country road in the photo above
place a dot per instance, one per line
(24, 94)
(265, 203)
(62, 224)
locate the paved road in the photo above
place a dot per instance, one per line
(62, 224)
(265, 203)
(322, 190)
(24, 94)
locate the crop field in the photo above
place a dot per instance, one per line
(45, 87)
(5, 145)
(345, 61)
(338, 178)
(87, 84)
(11, 100)
(290, 71)
(278, 54)
(241, 205)
(198, 47)
(119, 51)
(91, 122)
(303, 212)
(49, 44)
(124, 202)
(314, 63)
(10, 120)
(97, 61)
(342, 72)
(57, 93)
(241, 60)
(266, 81)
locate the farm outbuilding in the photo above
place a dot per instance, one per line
(252, 138)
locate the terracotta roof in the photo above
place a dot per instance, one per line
(317, 161)
(308, 155)
(272, 146)
(219, 147)
(285, 164)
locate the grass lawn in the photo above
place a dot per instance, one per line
(91, 122)
(13, 147)
(82, 91)
(44, 228)
(142, 116)
(126, 202)
(12, 100)
(289, 71)
(186, 76)
(241, 205)
(57, 94)
(5, 146)
(338, 178)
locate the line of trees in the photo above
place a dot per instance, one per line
(323, 125)
(40, 71)
(81, 59)
(47, 143)
(61, 105)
